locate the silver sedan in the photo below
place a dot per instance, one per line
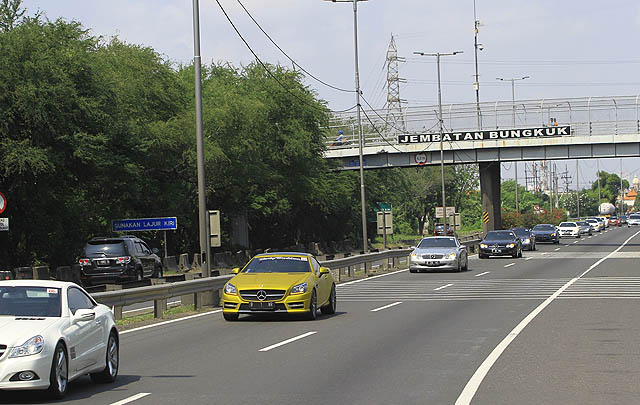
(439, 253)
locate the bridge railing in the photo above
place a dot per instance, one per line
(586, 115)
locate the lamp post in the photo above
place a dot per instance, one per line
(365, 245)
(578, 187)
(476, 46)
(513, 103)
(438, 55)
(202, 204)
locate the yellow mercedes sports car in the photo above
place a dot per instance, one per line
(281, 283)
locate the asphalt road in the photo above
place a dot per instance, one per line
(559, 325)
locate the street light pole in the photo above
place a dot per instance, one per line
(578, 186)
(476, 84)
(365, 245)
(202, 204)
(513, 106)
(444, 205)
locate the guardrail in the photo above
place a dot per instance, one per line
(201, 291)
(204, 291)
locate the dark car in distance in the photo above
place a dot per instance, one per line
(438, 230)
(500, 243)
(116, 259)
(545, 233)
(527, 238)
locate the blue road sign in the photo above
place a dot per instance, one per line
(145, 224)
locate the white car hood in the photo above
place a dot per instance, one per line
(14, 331)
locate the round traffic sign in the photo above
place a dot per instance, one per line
(420, 158)
(3, 203)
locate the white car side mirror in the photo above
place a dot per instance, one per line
(84, 315)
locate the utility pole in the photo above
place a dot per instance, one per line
(566, 178)
(438, 55)
(621, 191)
(202, 203)
(578, 186)
(599, 196)
(513, 106)
(365, 245)
(476, 46)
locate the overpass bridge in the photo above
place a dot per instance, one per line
(547, 129)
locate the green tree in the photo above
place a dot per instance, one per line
(11, 14)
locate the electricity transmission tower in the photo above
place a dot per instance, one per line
(395, 119)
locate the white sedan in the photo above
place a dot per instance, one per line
(52, 332)
(569, 229)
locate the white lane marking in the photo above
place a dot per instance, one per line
(472, 386)
(132, 398)
(171, 321)
(509, 265)
(545, 253)
(147, 308)
(589, 237)
(442, 288)
(370, 278)
(293, 339)
(387, 306)
(576, 241)
(528, 258)
(482, 274)
(557, 249)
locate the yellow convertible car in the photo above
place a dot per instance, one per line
(281, 283)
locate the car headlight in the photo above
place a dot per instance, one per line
(483, 245)
(553, 234)
(527, 240)
(299, 289)
(510, 245)
(230, 289)
(28, 348)
(452, 255)
(414, 255)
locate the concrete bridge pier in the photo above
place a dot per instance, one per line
(490, 189)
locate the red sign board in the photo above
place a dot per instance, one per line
(3, 203)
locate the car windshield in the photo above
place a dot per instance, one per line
(437, 243)
(567, 225)
(634, 216)
(278, 264)
(30, 301)
(499, 235)
(544, 228)
(582, 223)
(105, 248)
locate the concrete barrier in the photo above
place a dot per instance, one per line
(40, 273)
(170, 263)
(184, 262)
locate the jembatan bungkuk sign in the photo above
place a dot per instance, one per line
(527, 133)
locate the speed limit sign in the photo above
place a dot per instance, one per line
(3, 203)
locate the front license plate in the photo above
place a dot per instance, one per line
(262, 306)
(433, 263)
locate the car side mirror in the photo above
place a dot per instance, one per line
(236, 270)
(324, 270)
(463, 247)
(155, 250)
(84, 315)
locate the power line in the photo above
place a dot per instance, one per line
(288, 57)
(269, 72)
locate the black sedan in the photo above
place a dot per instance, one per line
(527, 238)
(500, 243)
(545, 233)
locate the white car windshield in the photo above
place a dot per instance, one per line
(568, 225)
(437, 243)
(30, 301)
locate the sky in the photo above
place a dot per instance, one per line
(569, 48)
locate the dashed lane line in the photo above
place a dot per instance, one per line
(528, 258)
(387, 306)
(443, 287)
(284, 342)
(556, 249)
(482, 274)
(509, 265)
(132, 398)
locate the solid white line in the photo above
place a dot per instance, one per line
(370, 278)
(171, 321)
(482, 274)
(472, 386)
(528, 258)
(443, 287)
(132, 398)
(576, 241)
(387, 306)
(557, 249)
(545, 253)
(293, 339)
(509, 265)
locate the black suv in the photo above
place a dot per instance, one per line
(118, 259)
